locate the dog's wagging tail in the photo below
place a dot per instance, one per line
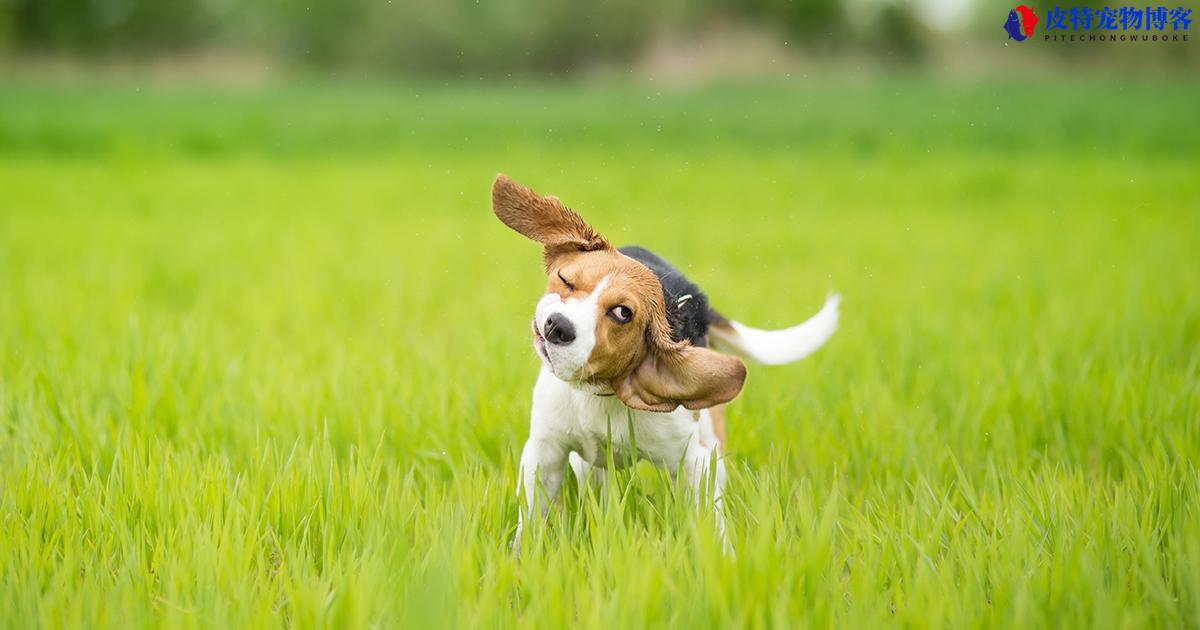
(622, 334)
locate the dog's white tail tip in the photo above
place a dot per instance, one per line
(777, 347)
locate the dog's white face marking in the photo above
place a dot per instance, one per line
(567, 359)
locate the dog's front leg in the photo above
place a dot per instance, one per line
(705, 470)
(541, 469)
(586, 473)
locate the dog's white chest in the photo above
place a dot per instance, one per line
(583, 422)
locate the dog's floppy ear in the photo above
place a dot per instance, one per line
(543, 219)
(677, 373)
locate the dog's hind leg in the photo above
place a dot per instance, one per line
(712, 428)
(718, 420)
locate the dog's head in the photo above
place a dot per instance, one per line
(602, 321)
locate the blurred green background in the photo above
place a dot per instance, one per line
(264, 354)
(548, 37)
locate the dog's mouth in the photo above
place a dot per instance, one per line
(539, 342)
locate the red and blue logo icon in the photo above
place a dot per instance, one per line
(1021, 22)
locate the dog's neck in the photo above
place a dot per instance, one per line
(595, 388)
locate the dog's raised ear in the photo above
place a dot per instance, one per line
(543, 219)
(677, 373)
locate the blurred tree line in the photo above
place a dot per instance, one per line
(438, 36)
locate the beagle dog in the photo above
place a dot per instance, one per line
(630, 352)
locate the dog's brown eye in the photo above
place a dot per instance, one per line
(621, 314)
(570, 287)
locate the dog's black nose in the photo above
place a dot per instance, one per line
(559, 330)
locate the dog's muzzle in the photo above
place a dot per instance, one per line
(558, 330)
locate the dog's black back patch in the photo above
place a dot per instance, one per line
(687, 307)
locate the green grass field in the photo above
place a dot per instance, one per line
(265, 361)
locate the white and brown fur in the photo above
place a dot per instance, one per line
(628, 345)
